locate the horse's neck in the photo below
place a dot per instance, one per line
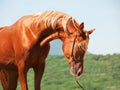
(44, 33)
(49, 38)
(48, 35)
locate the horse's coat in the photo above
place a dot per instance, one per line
(25, 44)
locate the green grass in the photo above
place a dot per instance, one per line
(97, 75)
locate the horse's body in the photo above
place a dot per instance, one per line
(15, 52)
(25, 44)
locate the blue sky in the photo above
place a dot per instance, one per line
(104, 15)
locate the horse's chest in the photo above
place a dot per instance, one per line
(37, 56)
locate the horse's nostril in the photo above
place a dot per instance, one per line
(75, 72)
(79, 73)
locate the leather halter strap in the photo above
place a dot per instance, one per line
(72, 55)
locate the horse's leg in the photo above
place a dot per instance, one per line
(22, 75)
(12, 80)
(9, 80)
(4, 79)
(39, 70)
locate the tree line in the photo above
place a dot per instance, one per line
(115, 56)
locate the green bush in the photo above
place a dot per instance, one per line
(101, 72)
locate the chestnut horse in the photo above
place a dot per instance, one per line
(25, 45)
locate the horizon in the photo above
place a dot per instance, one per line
(102, 15)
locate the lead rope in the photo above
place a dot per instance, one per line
(72, 57)
(79, 84)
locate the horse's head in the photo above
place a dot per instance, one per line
(74, 38)
(75, 46)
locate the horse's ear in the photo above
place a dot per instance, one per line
(91, 31)
(81, 26)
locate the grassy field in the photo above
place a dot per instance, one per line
(100, 73)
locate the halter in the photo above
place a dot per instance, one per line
(72, 55)
(74, 59)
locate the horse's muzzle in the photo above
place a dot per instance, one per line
(76, 72)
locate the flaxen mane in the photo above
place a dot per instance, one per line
(50, 19)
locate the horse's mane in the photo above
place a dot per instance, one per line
(49, 18)
(1, 29)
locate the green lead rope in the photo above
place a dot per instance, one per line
(79, 84)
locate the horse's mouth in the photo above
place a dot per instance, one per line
(76, 72)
